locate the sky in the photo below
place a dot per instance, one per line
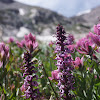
(67, 8)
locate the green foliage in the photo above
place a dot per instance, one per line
(87, 77)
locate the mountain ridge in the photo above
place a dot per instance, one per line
(17, 19)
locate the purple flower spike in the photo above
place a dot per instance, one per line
(64, 64)
(30, 84)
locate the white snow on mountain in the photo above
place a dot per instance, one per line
(84, 12)
(21, 11)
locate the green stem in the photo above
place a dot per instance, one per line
(3, 91)
(4, 69)
(50, 82)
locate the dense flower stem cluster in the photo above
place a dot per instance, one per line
(30, 83)
(64, 64)
(4, 58)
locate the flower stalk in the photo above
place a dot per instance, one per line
(30, 77)
(64, 64)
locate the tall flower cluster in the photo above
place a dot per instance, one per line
(64, 64)
(30, 83)
(4, 54)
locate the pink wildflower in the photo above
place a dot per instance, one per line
(30, 42)
(11, 40)
(97, 29)
(84, 46)
(95, 38)
(54, 75)
(95, 76)
(51, 43)
(23, 88)
(30, 37)
(71, 48)
(78, 63)
(4, 53)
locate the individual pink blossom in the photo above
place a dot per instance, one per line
(11, 40)
(29, 45)
(71, 48)
(30, 42)
(95, 76)
(23, 88)
(4, 53)
(20, 44)
(51, 43)
(30, 37)
(95, 38)
(54, 75)
(97, 29)
(78, 63)
(84, 46)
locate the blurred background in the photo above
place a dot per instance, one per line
(40, 17)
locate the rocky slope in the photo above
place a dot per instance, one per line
(90, 18)
(87, 20)
(17, 19)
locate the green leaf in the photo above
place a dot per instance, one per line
(8, 66)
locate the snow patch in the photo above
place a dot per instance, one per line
(21, 11)
(23, 31)
(46, 38)
(84, 12)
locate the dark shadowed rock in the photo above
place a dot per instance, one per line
(7, 1)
